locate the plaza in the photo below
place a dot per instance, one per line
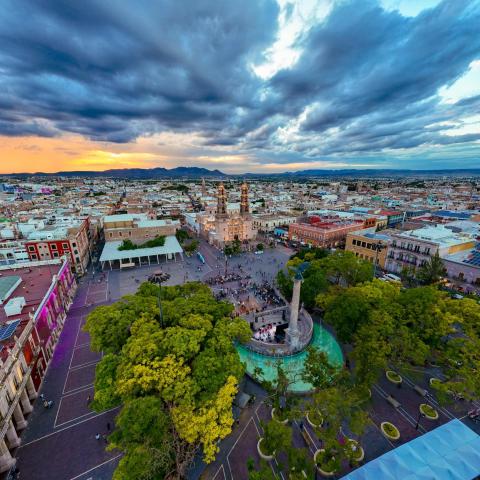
(68, 429)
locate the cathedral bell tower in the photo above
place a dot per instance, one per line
(244, 207)
(221, 201)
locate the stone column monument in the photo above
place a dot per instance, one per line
(292, 332)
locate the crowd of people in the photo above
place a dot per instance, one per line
(266, 334)
(267, 293)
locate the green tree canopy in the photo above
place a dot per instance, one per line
(188, 371)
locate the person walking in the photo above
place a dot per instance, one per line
(88, 400)
(108, 426)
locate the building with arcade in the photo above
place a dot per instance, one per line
(34, 300)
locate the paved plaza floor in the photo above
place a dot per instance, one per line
(59, 443)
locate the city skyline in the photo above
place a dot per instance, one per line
(263, 87)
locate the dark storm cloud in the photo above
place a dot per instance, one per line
(94, 67)
(367, 79)
(373, 75)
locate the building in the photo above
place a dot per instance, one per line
(230, 226)
(268, 222)
(137, 227)
(34, 300)
(369, 246)
(13, 251)
(324, 234)
(464, 268)
(70, 236)
(415, 247)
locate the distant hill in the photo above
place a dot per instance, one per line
(133, 173)
(198, 172)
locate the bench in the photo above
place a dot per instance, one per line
(393, 402)
(421, 391)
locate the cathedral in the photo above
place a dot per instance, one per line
(227, 224)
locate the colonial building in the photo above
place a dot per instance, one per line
(34, 300)
(231, 226)
(138, 228)
(369, 246)
(414, 248)
(68, 236)
(324, 234)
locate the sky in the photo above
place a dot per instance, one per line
(250, 86)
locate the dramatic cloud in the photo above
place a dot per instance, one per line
(342, 82)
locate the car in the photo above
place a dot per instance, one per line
(258, 252)
(390, 277)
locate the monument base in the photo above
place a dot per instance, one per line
(292, 338)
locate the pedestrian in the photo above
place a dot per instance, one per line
(97, 436)
(108, 426)
(88, 399)
(42, 396)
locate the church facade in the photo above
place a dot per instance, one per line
(226, 225)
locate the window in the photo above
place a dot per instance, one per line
(65, 246)
(363, 244)
(31, 248)
(34, 256)
(75, 252)
(53, 246)
(55, 254)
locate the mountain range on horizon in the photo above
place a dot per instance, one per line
(198, 172)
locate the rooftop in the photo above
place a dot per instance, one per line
(31, 282)
(449, 452)
(111, 252)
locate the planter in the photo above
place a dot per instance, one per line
(390, 431)
(322, 472)
(304, 475)
(278, 420)
(313, 424)
(263, 455)
(434, 381)
(359, 451)
(428, 411)
(393, 377)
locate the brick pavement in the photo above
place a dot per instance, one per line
(59, 443)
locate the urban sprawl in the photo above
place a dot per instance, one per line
(217, 328)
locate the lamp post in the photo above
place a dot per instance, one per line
(420, 416)
(158, 278)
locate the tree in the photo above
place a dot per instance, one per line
(192, 246)
(265, 472)
(143, 433)
(299, 461)
(339, 406)
(260, 247)
(188, 368)
(433, 271)
(181, 236)
(317, 369)
(277, 437)
(345, 269)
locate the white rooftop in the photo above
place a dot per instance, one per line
(111, 252)
(437, 234)
(125, 217)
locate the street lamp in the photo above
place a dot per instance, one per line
(420, 416)
(158, 278)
